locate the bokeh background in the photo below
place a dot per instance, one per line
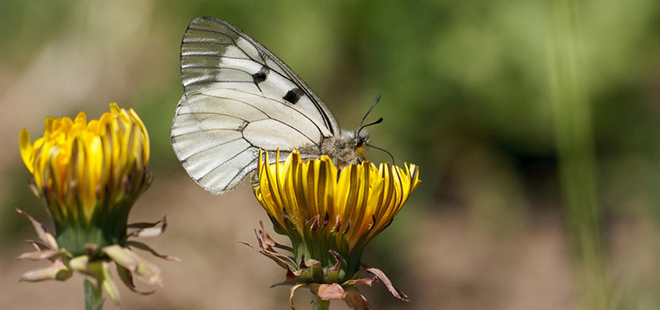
(535, 124)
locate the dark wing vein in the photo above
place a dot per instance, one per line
(222, 68)
(260, 110)
(214, 113)
(217, 56)
(212, 31)
(243, 171)
(282, 103)
(210, 148)
(213, 82)
(220, 165)
(207, 43)
(205, 130)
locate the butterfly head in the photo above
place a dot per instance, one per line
(361, 138)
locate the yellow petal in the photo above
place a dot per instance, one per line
(26, 149)
(114, 108)
(145, 134)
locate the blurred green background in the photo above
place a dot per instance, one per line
(535, 124)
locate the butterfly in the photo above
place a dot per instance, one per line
(239, 98)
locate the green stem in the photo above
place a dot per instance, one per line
(93, 296)
(319, 304)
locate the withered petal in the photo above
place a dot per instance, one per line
(143, 225)
(365, 281)
(148, 272)
(309, 263)
(56, 271)
(337, 265)
(40, 255)
(355, 300)
(126, 276)
(280, 259)
(43, 234)
(148, 230)
(144, 247)
(291, 276)
(293, 292)
(80, 264)
(122, 256)
(265, 236)
(40, 246)
(386, 281)
(328, 291)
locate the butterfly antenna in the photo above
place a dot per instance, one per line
(384, 150)
(367, 114)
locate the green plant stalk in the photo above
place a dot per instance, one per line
(93, 296)
(319, 304)
(577, 164)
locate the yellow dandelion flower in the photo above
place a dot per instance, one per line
(89, 174)
(330, 215)
(79, 167)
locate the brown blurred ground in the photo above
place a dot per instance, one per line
(451, 263)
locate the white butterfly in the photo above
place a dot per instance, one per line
(239, 97)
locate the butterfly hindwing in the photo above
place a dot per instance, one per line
(239, 97)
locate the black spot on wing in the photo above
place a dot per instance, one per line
(293, 95)
(261, 75)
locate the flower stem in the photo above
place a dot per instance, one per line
(319, 304)
(93, 296)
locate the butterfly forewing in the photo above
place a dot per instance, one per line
(215, 54)
(239, 97)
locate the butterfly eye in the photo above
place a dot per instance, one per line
(361, 140)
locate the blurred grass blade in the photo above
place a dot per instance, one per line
(575, 147)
